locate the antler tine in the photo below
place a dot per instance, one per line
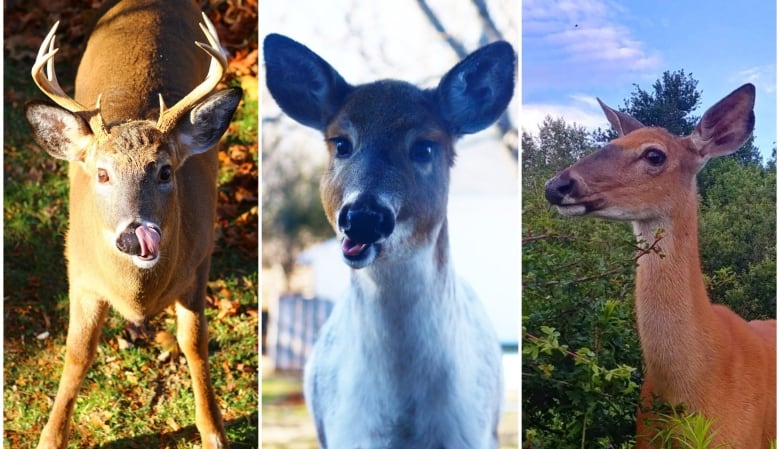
(169, 117)
(47, 81)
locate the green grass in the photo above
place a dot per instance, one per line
(129, 399)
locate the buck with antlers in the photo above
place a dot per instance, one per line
(696, 353)
(408, 358)
(142, 184)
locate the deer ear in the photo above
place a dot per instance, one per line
(474, 93)
(306, 87)
(621, 122)
(726, 125)
(200, 129)
(63, 134)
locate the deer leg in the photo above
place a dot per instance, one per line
(192, 335)
(84, 326)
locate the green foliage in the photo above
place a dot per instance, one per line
(580, 351)
(737, 236)
(669, 105)
(685, 431)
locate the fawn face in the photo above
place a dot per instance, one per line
(386, 185)
(390, 142)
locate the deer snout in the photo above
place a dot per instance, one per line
(559, 187)
(366, 221)
(141, 240)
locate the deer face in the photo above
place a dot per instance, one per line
(648, 174)
(127, 170)
(385, 189)
(648, 163)
(133, 177)
(390, 142)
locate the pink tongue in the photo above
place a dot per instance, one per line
(149, 240)
(350, 248)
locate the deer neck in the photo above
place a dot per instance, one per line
(395, 298)
(422, 271)
(674, 316)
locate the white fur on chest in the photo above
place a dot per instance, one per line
(410, 363)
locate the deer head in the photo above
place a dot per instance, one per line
(391, 143)
(648, 174)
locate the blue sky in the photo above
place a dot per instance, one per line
(576, 50)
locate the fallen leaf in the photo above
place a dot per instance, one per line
(228, 308)
(166, 342)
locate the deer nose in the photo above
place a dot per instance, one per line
(139, 239)
(366, 221)
(128, 243)
(558, 187)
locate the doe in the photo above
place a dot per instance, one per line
(408, 358)
(142, 184)
(696, 353)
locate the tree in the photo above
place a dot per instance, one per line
(292, 216)
(669, 105)
(558, 145)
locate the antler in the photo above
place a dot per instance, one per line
(49, 85)
(169, 117)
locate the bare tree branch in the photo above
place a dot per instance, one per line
(454, 43)
(492, 33)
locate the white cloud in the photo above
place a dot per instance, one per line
(582, 110)
(762, 76)
(583, 39)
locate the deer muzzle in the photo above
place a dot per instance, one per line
(364, 224)
(142, 241)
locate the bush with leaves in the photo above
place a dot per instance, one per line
(580, 350)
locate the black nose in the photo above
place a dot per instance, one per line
(558, 187)
(127, 242)
(366, 221)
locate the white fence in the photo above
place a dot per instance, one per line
(293, 328)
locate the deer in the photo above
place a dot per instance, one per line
(696, 353)
(408, 357)
(142, 179)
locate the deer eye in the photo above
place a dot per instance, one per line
(166, 173)
(102, 176)
(654, 157)
(422, 151)
(343, 147)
